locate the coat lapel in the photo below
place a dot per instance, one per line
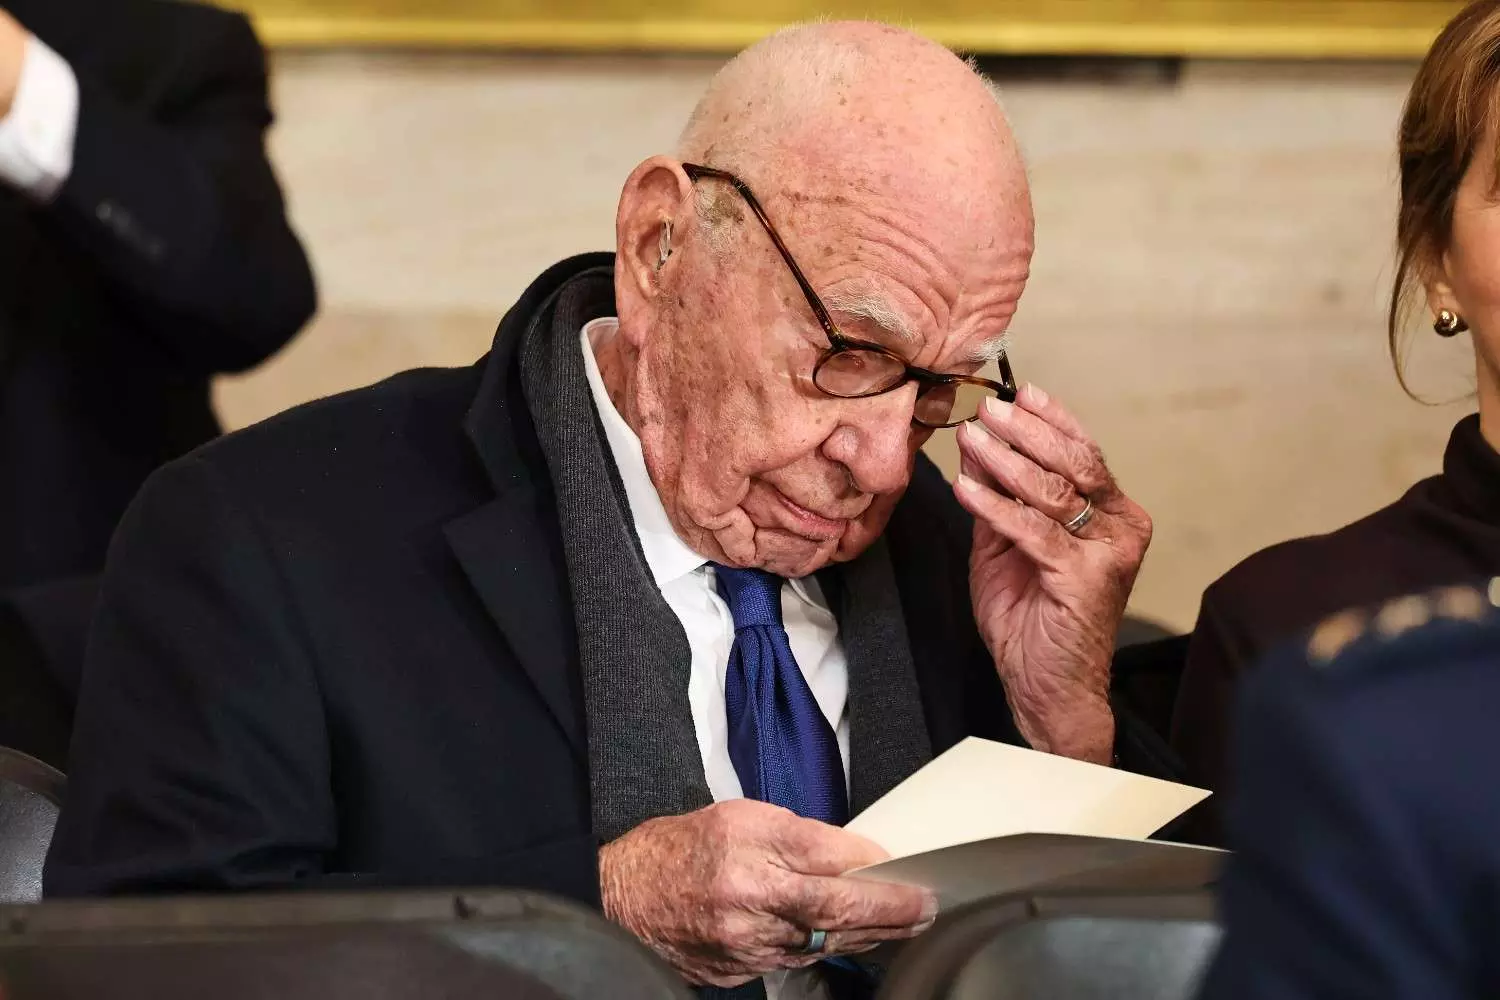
(511, 547)
(507, 554)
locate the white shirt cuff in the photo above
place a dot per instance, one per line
(36, 137)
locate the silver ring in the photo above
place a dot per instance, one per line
(1086, 515)
(816, 941)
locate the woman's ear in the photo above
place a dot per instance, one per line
(654, 198)
(1433, 267)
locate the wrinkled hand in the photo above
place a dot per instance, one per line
(12, 52)
(728, 893)
(1049, 603)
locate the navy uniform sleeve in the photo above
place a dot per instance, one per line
(200, 753)
(1332, 892)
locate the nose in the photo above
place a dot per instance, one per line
(874, 441)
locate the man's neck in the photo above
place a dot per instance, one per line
(616, 366)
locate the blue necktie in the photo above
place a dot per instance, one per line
(782, 746)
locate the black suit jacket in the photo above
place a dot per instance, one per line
(164, 258)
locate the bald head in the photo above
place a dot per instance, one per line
(831, 97)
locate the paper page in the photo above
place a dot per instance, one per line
(1034, 862)
(980, 789)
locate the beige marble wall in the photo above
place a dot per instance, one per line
(1207, 294)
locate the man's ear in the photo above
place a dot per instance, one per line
(652, 207)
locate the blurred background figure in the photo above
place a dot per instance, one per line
(1367, 866)
(1445, 529)
(143, 249)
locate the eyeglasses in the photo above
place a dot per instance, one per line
(855, 369)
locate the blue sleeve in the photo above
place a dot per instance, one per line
(1332, 891)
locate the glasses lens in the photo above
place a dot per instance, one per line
(951, 404)
(858, 372)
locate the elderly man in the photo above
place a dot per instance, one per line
(649, 601)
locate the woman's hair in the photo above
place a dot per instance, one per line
(1453, 103)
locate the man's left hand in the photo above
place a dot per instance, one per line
(1049, 602)
(12, 53)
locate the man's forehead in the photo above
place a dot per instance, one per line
(905, 266)
(963, 234)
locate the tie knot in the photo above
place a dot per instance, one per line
(753, 596)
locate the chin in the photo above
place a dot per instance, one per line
(863, 533)
(790, 556)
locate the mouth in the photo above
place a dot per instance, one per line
(810, 524)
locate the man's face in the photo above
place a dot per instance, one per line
(755, 465)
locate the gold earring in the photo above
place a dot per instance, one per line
(1448, 323)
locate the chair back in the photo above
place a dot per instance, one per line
(1063, 946)
(30, 795)
(356, 945)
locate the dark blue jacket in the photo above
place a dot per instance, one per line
(1367, 812)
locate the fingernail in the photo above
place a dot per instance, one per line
(1037, 396)
(978, 435)
(929, 909)
(998, 408)
(965, 483)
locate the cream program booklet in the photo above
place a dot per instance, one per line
(933, 823)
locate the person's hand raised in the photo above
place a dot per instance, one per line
(12, 52)
(1048, 600)
(728, 893)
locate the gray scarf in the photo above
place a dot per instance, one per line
(643, 749)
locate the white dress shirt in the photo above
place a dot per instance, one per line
(36, 136)
(686, 581)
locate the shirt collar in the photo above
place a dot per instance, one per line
(667, 555)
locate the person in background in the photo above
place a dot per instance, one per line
(1445, 529)
(144, 247)
(1365, 810)
(645, 604)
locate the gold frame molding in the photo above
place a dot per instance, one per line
(1278, 29)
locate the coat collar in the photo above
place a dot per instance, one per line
(498, 423)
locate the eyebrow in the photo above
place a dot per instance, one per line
(873, 308)
(991, 350)
(878, 311)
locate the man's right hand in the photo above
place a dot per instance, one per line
(729, 893)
